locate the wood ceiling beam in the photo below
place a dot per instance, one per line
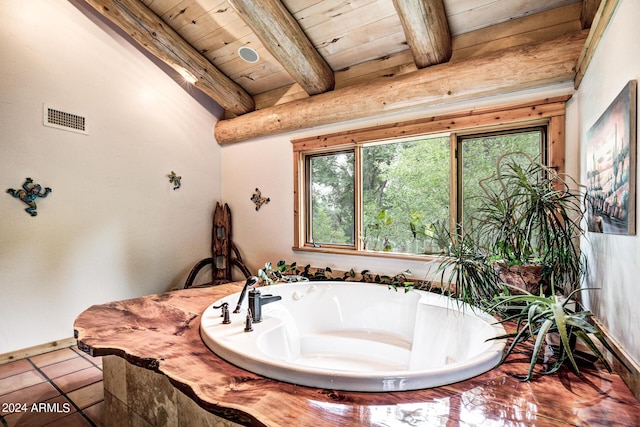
(147, 29)
(282, 36)
(600, 23)
(589, 9)
(426, 29)
(517, 68)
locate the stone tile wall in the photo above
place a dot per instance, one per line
(138, 397)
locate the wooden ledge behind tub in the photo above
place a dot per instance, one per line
(161, 333)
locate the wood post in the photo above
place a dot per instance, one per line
(281, 35)
(426, 29)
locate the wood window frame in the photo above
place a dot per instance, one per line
(550, 112)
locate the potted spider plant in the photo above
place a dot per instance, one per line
(528, 223)
(524, 232)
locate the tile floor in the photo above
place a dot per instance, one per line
(62, 388)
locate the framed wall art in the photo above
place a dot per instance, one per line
(611, 166)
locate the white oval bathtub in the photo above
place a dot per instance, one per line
(357, 337)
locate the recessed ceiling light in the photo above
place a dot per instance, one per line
(186, 74)
(248, 54)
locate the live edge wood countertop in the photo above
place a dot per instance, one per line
(161, 333)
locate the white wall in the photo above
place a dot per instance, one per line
(112, 228)
(267, 163)
(614, 260)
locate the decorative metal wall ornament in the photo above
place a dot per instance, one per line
(29, 193)
(258, 200)
(175, 180)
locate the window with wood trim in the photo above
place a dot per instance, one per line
(380, 190)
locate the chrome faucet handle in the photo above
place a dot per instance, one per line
(248, 326)
(225, 312)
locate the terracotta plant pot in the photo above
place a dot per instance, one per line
(525, 277)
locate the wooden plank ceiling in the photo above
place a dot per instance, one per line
(311, 51)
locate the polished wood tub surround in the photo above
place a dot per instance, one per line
(161, 333)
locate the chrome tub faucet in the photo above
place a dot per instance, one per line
(257, 300)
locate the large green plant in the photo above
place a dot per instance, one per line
(464, 268)
(538, 316)
(530, 215)
(527, 215)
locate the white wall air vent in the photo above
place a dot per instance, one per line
(58, 119)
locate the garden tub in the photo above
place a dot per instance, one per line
(357, 337)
